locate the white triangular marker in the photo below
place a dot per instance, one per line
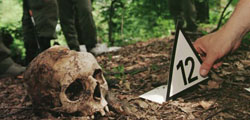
(248, 89)
(184, 71)
(185, 65)
(157, 95)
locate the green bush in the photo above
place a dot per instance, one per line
(10, 22)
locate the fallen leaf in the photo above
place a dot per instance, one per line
(127, 85)
(206, 104)
(191, 117)
(187, 109)
(203, 87)
(239, 65)
(248, 54)
(213, 84)
(240, 78)
(180, 99)
(227, 116)
(141, 104)
(245, 96)
(226, 72)
(152, 118)
(154, 106)
(217, 78)
(246, 63)
(130, 109)
(226, 64)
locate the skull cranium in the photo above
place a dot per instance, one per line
(67, 81)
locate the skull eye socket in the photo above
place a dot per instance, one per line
(98, 76)
(75, 90)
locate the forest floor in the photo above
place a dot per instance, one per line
(141, 67)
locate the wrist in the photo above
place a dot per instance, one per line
(233, 32)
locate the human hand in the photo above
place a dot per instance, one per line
(213, 47)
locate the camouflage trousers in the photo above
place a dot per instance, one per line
(4, 53)
(77, 23)
(45, 14)
(184, 12)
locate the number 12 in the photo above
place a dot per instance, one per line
(190, 78)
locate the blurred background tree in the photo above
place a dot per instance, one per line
(120, 22)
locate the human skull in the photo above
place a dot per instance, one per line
(67, 81)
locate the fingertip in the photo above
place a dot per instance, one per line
(205, 67)
(203, 72)
(209, 61)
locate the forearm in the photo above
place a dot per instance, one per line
(239, 23)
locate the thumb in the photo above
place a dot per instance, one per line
(207, 64)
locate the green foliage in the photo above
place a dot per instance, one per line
(10, 22)
(154, 67)
(215, 10)
(234, 2)
(133, 20)
(246, 39)
(137, 20)
(120, 73)
(11, 13)
(17, 49)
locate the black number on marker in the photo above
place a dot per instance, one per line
(181, 65)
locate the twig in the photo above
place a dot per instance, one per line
(244, 112)
(222, 16)
(244, 95)
(222, 110)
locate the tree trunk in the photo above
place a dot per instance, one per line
(110, 22)
(202, 9)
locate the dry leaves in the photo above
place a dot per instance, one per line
(142, 104)
(213, 85)
(246, 63)
(206, 104)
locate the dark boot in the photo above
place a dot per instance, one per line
(44, 43)
(10, 68)
(31, 49)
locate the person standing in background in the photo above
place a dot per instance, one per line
(184, 12)
(39, 25)
(77, 23)
(7, 66)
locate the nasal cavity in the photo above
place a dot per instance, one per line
(97, 92)
(75, 90)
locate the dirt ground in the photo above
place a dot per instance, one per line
(138, 68)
